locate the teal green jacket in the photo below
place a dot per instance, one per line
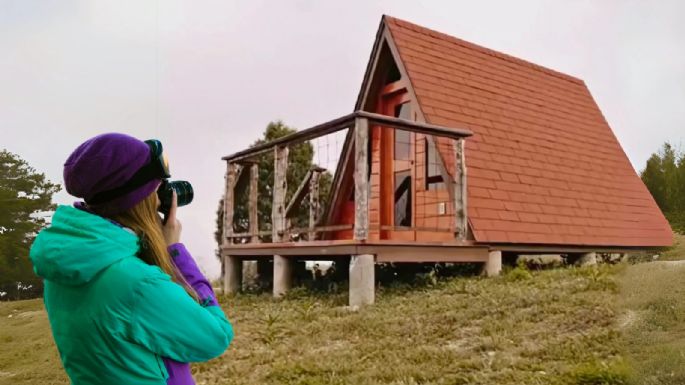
(114, 317)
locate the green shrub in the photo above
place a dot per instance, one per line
(519, 273)
(617, 373)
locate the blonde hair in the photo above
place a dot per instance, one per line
(144, 220)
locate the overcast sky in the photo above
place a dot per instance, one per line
(205, 77)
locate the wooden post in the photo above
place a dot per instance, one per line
(252, 204)
(362, 267)
(459, 185)
(229, 201)
(279, 191)
(282, 266)
(249, 268)
(464, 192)
(361, 179)
(314, 208)
(229, 266)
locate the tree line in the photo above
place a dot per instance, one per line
(664, 176)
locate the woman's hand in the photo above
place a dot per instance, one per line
(172, 227)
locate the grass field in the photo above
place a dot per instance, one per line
(607, 325)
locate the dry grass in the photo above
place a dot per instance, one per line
(541, 328)
(654, 295)
(563, 326)
(677, 251)
(28, 354)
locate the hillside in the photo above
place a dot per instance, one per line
(610, 325)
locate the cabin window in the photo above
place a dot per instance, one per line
(402, 138)
(403, 198)
(433, 176)
(393, 73)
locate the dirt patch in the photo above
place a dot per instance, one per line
(628, 319)
(30, 314)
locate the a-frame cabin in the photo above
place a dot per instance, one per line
(544, 167)
(455, 153)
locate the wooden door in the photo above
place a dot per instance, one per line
(397, 174)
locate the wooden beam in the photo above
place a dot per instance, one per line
(459, 188)
(300, 193)
(345, 122)
(294, 138)
(229, 200)
(361, 180)
(414, 126)
(399, 85)
(464, 190)
(566, 249)
(317, 229)
(411, 228)
(431, 254)
(302, 190)
(314, 203)
(250, 235)
(371, 66)
(446, 177)
(386, 251)
(278, 221)
(252, 202)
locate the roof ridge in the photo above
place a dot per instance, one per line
(488, 51)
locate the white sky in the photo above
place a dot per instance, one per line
(206, 77)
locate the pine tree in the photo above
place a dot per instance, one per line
(653, 178)
(24, 196)
(664, 176)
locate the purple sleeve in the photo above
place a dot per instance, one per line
(188, 268)
(179, 372)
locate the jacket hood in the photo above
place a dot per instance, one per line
(78, 245)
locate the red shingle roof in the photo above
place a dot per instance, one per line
(544, 166)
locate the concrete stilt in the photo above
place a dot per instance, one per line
(493, 266)
(233, 274)
(250, 275)
(587, 259)
(282, 275)
(362, 280)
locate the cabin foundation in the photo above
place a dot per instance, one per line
(587, 259)
(233, 274)
(493, 266)
(362, 280)
(283, 275)
(250, 274)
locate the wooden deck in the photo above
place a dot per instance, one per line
(385, 251)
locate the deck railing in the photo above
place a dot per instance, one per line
(242, 175)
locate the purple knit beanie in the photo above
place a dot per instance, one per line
(106, 162)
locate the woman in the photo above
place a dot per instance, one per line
(126, 302)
